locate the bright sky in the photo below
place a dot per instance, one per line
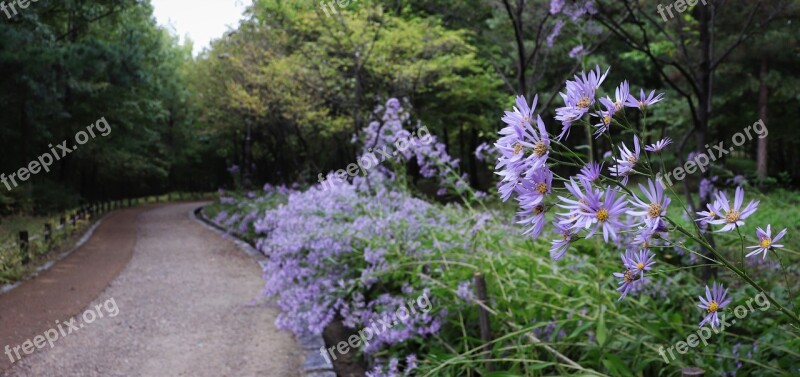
(201, 20)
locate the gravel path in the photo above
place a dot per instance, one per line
(188, 305)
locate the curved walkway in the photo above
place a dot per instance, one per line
(186, 304)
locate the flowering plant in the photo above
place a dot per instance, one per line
(592, 203)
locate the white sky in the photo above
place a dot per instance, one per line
(201, 20)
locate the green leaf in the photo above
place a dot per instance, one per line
(602, 331)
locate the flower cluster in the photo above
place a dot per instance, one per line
(593, 204)
(430, 155)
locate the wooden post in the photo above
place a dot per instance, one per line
(48, 231)
(692, 372)
(483, 316)
(24, 246)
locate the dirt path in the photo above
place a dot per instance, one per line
(186, 305)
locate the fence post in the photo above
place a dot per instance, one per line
(24, 246)
(692, 372)
(483, 316)
(48, 231)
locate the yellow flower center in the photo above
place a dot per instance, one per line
(539, 149)
(538, 209)
(607, 120)
(712, 214)
(766, 243)
(517, 148)
(584, 102)
(541, 188)
(630, 276)
(655, 210)
(632, 159)
(713, 307)
(617, 105)
(566, 235)
(732, 216)
(602, 214)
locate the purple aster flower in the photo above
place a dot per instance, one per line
(556, 6)
(605, 117)
(533, 189)
(577, 216)
(628, 281)
(535, 218)
(638, 262)
(465, 291)
(605, 214)
(578, 98)
(766, 242)
(560, 246)
(715, 300)
(621, 95)
(590, 172)
(551, 39)
(707, 216)
(541, 148)
(734, 214)
(644, 101)
(659, 145)
(517, 137)
(656, 205)
(628, 160)
(577, 52)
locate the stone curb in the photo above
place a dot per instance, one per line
(315, 365)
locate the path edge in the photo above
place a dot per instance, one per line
(39, 270)
(315, 365)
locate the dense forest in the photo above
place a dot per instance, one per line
(279, 98)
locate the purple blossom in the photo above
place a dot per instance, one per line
(766, 242)
(659, 145)
(654, 207)
(590, 172)
(734, 213)
(605, 214)
(715, 300)
(627, 161)
(644, 101)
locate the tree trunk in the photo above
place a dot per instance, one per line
(705, 95)
(761, 156)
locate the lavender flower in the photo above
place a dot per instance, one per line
(605, 214)
(656, 205)
(638, 262)
(621, 95)
(734, 214)
(659, 145)
(578, 98)
(715, 300)
(628, 280)
(624, 167)
(578, 216)
(644, 101)
(590, 172)
(605, 117)
(766, 242)
(707, 216)
(561, 245)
